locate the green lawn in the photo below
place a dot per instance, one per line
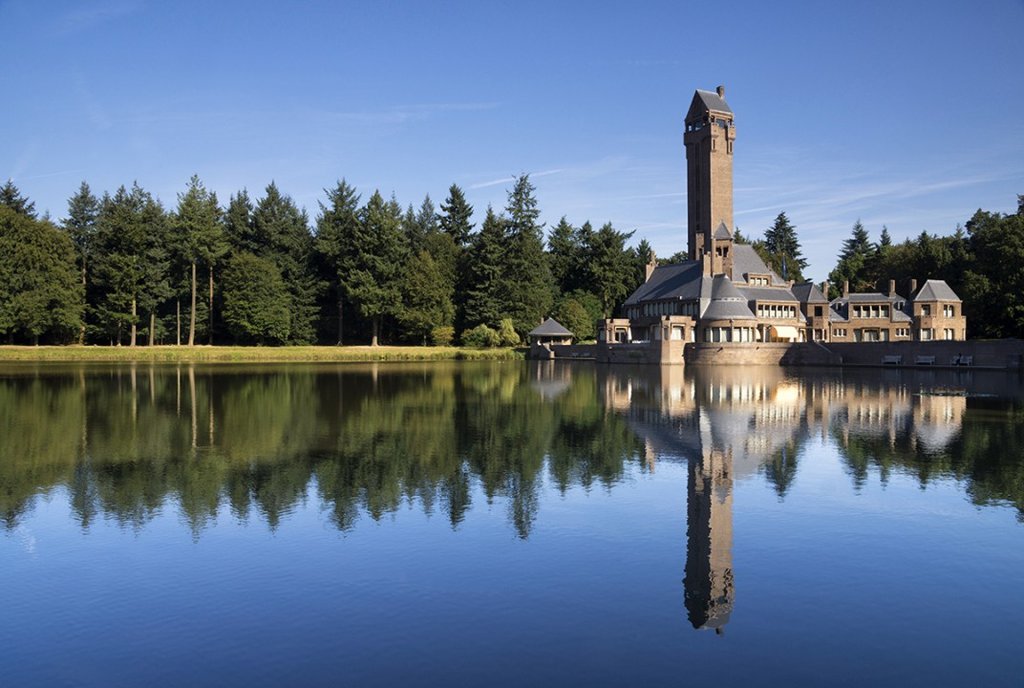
(255, 353)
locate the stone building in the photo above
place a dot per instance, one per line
(725, 293)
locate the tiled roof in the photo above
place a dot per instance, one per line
(936, 290)
(727, 302)
(676, 281)
(808, 293)
(550, 328)
(767, 293)
(745, 261)
(712, 101)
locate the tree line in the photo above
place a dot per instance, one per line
(982, 261)
(123, 269)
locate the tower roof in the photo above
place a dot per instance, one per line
(707, 101)
(722, 233)
(936, 290)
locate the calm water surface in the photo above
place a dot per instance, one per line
(509, 524)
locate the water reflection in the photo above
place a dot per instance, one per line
(127, 441)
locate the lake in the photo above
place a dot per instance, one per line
(509, 524)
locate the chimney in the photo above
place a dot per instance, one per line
(649, 268)
(721, 92)
(892, 287)
(846, 289)
(825, 286)
(913, 288)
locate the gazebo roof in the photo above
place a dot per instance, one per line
(550, 328)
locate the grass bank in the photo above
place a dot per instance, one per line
(267, 354)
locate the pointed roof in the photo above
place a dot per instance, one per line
(707, 101)
(727, 303)
(808, 293)
(722, 233)
(676, 281)
(745, 261)
(550, 328)
(936, 290)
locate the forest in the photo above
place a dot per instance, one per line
(121, 269)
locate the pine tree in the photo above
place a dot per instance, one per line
(256, 300)
(11, 197)
(281, 233)
(855, 259)
(455, 216)
(80, 224)
(375, 279)
(609, 267)
(484, 300)
(527, 281)
(130, 260)
(338, 233)
(565, 256)
(201, 237)
(238, 223)
(426, 297)
(783, 249)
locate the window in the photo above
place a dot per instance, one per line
(839, 332)
(926, 334)
(949, 311)
(926, 309)
(948, 334)
(818, 311)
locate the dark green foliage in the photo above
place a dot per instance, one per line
(200, 238)
(41, 295)
(527, 281)
(376, 279)
(281, 233)
(565, 256)
(426, 298)
(238, 225)
(80, 224)
(338, 236)
(782, 249)
(454, 219)
(855, 262)
(507, 335)
(481, 336)
(131, 262)
(573, 316)
(484, 294)
(11, 197)
(994, 284)
(609, 267)
(256, 301)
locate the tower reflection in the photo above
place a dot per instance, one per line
(726, 424)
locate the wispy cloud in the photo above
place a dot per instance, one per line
(91, 16)
(511, 178)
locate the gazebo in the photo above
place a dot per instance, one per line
(549, 332)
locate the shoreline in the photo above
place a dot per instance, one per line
(254, 354)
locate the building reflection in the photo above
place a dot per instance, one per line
(726, 425)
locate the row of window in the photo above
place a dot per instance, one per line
(948, 310)
(666, 308)
(871, 311)
(729, 334)
(871, 335)
(771, 310)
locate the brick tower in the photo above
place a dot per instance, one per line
(709, 137)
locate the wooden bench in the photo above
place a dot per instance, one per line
(892, 360)
(959, 360)
(924, 360)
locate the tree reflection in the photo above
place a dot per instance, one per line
(128, 442)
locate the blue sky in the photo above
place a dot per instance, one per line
(908, 114)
